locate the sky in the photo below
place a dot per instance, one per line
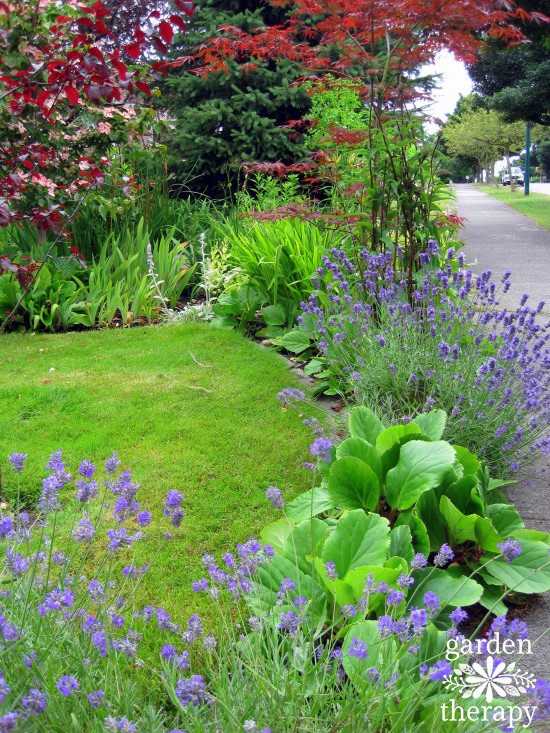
(454, 81)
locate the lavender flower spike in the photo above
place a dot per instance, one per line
(275, 497)
(444, 556)
(509, 549)
(17, 461)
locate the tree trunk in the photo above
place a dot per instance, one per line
(509, 166)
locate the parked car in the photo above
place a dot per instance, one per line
(517, 175)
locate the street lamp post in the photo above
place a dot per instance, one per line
(527, 159)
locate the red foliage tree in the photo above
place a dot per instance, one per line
(61, 75)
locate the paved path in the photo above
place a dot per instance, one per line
(499, 238)
(540, 188)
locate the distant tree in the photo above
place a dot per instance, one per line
(517, 78)
(483, 135)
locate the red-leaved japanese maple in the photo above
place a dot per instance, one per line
(64, 78)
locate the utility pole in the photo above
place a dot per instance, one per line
(527, 173)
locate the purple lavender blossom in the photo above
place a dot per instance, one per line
(96, 698)
(509, 549)
(458, 616)
(358, 649)
(321, 449)
(144, 518)
(112, 463)
(86, 469)
(67, 685)
(395, 597)
(87, 490)
(191, 691)
(444, 556)
(275, 497)
(122, 725)
(289, 396)
(331, 571)
(85, 531)
(34, 702)
(6, 527)
(17, 461)
(419, 561)
(432, 602)
(440, 671)
(8, 722)
(386, 625)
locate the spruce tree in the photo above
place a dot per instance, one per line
(223, 119)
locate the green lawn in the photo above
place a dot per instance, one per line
(536, 206)
(215, 432)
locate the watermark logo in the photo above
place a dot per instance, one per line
(483, 682)
(495, 679)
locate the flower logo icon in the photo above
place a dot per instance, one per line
(495, 679)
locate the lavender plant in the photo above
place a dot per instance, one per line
(70, 629)
(440, 340)
(71, 635)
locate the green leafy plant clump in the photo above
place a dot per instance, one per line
(390, 492)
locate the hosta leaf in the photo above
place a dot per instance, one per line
(309, 504)
(295, 341)
(421, 542)
(393, 436)
(363, 450)
(505, 518)
(491, 599)
(274, 315)
(268, 581)
(451, 587)
(461, 527)
(356, 579)
(468, 460)
(421, 467)
(427, 509)
(363, 423)
(378, 649)
(276, 533)
(529, 572)
(531, 534)
(401, 543)
(302, 543)
(432, 423)
(353, 484)
(359, 539)
(486, 535)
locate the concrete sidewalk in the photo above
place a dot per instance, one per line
(499, 238)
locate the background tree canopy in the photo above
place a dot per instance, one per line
(222, 119)
(517, 78)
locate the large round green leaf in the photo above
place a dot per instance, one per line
(529, 572)
(432, 423)
(427, 509)
(268, 579)
(363, 450)
(401, 543)
(461, 527)
(421, 467)
(309, 504)
(393, 436)
(359, 539)
(505, 518)
(302, 544)
(353, 484)
(449, 585)
(379, 649)
(276, 533)
(363, 423)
